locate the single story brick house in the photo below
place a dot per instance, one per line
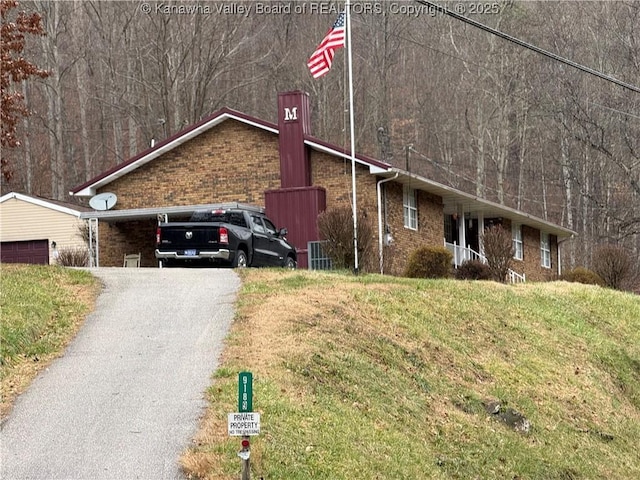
(234, 157)
(34, 229)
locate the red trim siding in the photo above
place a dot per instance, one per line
(297, 210)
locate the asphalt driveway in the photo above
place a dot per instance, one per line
(125, 399)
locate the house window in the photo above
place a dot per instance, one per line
(545, 250)
(449, 229)
(518, 246)
(410, 209)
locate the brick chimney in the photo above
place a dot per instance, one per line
(294, 122)
(296, 204)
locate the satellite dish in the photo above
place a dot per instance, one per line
(103, 201)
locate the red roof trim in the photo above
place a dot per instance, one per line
(346, 153)
(211, 118)
(233, 114)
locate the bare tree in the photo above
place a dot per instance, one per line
(454, 103)
(498, 249)
(15, 69)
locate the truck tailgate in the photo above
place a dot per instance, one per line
(189, 237)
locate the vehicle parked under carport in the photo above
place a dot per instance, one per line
(237, 235)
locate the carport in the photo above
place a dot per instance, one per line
(133, 231)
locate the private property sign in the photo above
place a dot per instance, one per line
(244, 424)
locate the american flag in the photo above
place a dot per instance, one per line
(320, 61)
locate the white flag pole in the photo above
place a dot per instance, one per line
(353, 139)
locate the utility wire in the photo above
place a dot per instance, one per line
(614, 110)
(529, 46)
(482, 67)
(488, 188)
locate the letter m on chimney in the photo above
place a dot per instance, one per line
(290, 114)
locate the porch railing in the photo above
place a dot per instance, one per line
(462, 254)
(515, 277)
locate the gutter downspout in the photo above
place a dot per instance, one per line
(380, 243)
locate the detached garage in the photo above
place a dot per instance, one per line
(34, 229)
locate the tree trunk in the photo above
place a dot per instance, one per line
(28, 160)
(54, 97)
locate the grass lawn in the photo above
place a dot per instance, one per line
(42, 308)
(375, 377)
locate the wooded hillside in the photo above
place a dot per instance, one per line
(432, 94)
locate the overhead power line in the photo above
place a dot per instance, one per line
(614, 110)
(529, 46)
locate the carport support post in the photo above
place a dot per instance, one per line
(94, 261)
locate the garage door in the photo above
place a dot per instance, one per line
(31, 251)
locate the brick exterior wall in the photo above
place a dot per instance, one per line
(335, 176)
(120, 238)
(531, 263)
(230, 162)
(405, 241)
(532, 259)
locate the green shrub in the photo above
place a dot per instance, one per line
(429, 262)
(473, 270)
(583, 275)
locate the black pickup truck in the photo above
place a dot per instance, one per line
(237, 236)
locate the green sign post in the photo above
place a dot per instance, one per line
(245, 405)
(245, 392)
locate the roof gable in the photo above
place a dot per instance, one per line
(56, 205)
(90, 187)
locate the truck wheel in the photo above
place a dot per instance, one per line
(241, 259)
(290, 263)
